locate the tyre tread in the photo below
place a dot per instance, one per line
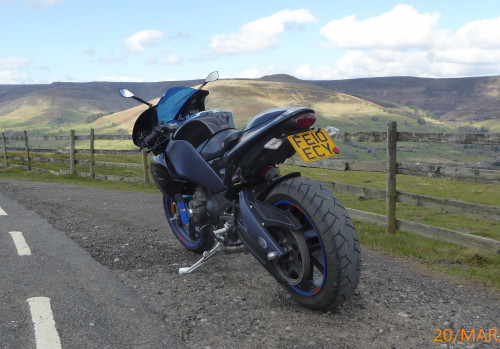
(334, 224)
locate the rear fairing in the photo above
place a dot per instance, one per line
(249, 153)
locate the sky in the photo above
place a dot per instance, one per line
(44, 41)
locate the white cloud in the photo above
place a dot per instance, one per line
(13, 77)
(170, 59)
(304, 72)
(111, 58)
(482, 33)
(139, 40)
(402, 27)
(260, 34)
(135, 43)
(173, 59)
(119, 79)
(255, 73)
(9, 70)
(373, 63)
(41, 4)
(13, 63)
(249, 74)
(406, 42)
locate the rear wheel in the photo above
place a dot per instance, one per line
(192, 237)
(323, 265)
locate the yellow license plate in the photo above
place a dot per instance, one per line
(313, 145)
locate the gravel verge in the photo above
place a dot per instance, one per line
(232, 302)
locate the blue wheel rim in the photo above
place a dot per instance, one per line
(315, 284)
(182, 230)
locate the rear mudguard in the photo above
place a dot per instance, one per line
(255, 217)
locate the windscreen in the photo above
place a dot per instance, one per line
(172, 101)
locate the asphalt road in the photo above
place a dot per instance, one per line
(91, 308)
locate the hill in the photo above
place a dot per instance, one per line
(357, 104)
(246, 98)
(60, 107)
(54, 105)
(464, 103)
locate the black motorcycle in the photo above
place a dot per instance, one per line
(222, 191)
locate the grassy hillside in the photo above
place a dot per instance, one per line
(47, 112)
(465, 103)
(440, 104)
(247, 98)
(48, 108)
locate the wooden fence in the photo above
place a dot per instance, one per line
(391, 167)
(72, 151)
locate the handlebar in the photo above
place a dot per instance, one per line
(151, 140)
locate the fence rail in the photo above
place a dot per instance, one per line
(391, 167)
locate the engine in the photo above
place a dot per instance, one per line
(198, 207)
(206, 209)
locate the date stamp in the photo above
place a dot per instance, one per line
(463, 335)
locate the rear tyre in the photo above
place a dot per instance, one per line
(192, 237)
(323, 266)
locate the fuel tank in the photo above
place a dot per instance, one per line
(200, 127)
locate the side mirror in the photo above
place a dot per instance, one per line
(212, 76)
(126, 93)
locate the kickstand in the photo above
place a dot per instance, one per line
(206, 256)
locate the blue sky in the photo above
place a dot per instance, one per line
(73, 40)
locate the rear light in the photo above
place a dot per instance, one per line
(304, 120)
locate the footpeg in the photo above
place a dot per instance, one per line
(206, 256)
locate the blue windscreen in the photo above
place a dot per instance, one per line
(172, 101)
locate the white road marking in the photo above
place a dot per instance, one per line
(46, 335)
(21, 245)
(2, 212)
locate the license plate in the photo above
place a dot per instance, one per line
(313, 145)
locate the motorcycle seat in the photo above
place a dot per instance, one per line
(220, 143)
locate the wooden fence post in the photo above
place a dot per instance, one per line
(390, 202)
(5, 151)
(92, 163)
(145, 166)
(27, 149)
(72, 167)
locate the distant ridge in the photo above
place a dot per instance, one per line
(281, 78)
(471, 103)
(473, 99)
(451, 99)
(59, 103)
(104, 94)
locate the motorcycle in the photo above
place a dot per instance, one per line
(222, 191)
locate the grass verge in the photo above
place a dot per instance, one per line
(466, 264)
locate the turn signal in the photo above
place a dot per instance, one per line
(304, 120)
(273, 144)
(331, 131)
